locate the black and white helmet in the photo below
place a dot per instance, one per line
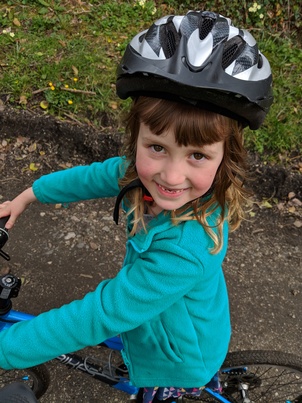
(199, 58)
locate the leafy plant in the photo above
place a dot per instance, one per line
(76, 46)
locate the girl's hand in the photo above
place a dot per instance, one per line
(15, 207)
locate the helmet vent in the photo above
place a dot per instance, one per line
(232, 49)
(260, 61)
(169, 39)
(205, 27)
(171, 44)
(141, 38)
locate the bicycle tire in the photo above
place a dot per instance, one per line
(37, 378)
(271, 377)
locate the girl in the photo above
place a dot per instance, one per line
(196, 81)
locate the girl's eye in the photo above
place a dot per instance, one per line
(198, 156)
(157, 148)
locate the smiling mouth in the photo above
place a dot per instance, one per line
(171, 191)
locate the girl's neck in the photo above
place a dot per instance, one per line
(153, 209)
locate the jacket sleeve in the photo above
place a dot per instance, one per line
(139, 292)
(99, 179)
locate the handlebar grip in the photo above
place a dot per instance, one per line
(3, 233)
(3, 221)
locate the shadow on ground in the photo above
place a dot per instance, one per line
(62, 253)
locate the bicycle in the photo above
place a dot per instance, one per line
(245, 377)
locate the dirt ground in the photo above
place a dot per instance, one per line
(63, 252)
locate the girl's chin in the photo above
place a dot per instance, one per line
(167, 205)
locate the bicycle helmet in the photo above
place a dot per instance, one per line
(201, 59)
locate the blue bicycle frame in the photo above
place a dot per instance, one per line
(8, 319)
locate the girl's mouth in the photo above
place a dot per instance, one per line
(171, 192)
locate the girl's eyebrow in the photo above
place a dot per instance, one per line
(203, 149)
(152, 137)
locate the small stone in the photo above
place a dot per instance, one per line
(298, 223)
(75, 219)
(296, 202)
(70, 235)
(93, 246)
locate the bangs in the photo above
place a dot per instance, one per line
(191, 125)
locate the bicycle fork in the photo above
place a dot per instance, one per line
(234, 374)
(243, 387)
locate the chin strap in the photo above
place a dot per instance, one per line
(132, 185)
(137, 183)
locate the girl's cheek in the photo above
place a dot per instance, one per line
(143, 172)
(143, 166)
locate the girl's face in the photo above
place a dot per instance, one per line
(175, 175)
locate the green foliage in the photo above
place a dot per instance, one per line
(281, 132)
(75, 46)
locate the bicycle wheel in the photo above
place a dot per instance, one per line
(37, 378)
(265, 376)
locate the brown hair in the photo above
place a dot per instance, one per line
(191, 126)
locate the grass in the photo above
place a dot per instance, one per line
(281, 132)
(59, 58)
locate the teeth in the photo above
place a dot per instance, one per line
(170, 191)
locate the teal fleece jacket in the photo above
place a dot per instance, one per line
(169, 301)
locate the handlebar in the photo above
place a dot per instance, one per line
(3, 221)
(9, 288)
(9, 284)
(3, 237)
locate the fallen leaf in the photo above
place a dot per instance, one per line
(75, 71)
(44, 104)
(23, 100)
(21, 140)
(33, 167)
(266, 204)
(65, 166)
(16, 22)
(291, 209)
(32, 147)
(113, 105)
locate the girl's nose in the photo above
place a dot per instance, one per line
(173, 174)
